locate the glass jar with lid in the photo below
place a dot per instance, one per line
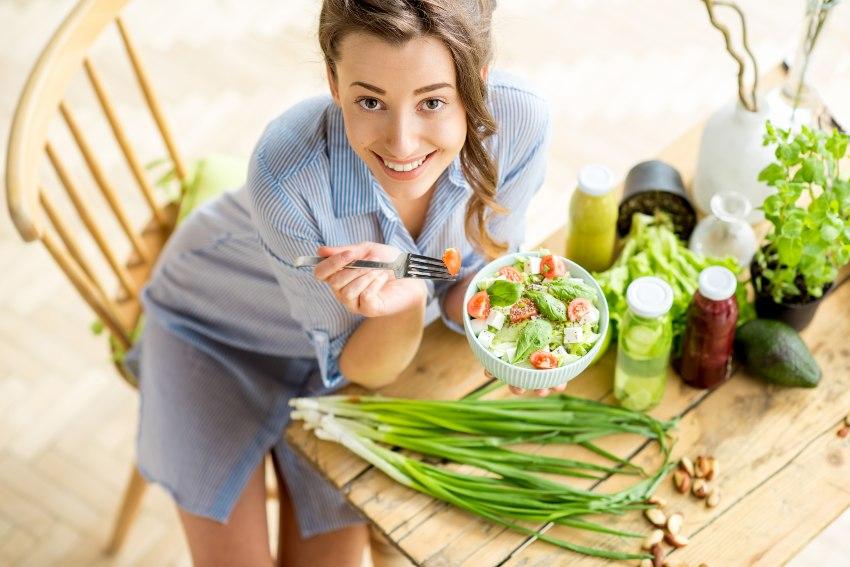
(644, 343)
(726, 231)
(592, 233)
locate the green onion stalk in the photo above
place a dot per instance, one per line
(507, 489)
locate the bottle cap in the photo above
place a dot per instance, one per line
(649, 296)
(717, 283)
(595, 180)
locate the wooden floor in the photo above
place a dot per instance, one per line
(624, 78)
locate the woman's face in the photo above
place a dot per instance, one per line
(403, 114)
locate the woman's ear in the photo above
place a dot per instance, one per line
(332, 84)
(485, 72)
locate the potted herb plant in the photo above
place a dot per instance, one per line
(810, 213)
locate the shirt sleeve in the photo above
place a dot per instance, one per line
(521, 151)
(286, 231)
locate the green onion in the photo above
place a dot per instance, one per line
(505, 487)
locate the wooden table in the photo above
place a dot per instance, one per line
(784, 473)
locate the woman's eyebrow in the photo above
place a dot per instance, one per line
(420, 90)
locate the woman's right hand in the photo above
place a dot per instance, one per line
(367, 292)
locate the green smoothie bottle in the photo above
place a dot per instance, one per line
(643, 347)
(593, 219)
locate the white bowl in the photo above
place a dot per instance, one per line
(532, 378)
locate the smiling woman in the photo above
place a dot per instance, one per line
(403, 156)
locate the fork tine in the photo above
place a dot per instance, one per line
(427, 265)
(417, 275)
(436, 262)
(413, 269)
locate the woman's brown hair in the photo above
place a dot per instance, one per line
(464, 27)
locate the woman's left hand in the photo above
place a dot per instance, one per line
(370, 293)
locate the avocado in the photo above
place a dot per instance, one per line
(774, 352)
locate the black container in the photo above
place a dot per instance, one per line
(653, 186)
(796, 314)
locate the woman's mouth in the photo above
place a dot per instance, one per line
(404, 171)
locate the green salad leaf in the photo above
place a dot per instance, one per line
(549, 307)
(567, 289)
(504, 293)
(534, 336)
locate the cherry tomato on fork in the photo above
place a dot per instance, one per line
(451, 258)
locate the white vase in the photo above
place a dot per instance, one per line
(731, 155)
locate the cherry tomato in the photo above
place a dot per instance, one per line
(479, 305)
(543, 360)
(451, 258)
(578, 308)
(511, 273)
(522, 310)
(552, 267)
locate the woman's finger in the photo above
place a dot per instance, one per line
(559, 388)
(542, 392)
(343, 277)
(333, 264)
(350, 294)
(517, 391)
(369, 297)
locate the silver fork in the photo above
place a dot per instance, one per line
(407, 265)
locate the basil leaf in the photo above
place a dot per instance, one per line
(568, 289)
(534, 336)
(548, 306)
(503, 293)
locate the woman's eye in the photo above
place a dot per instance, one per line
(433, 104)
(369, 103)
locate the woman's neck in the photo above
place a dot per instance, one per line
(414, 211)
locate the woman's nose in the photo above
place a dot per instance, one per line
(403, 136)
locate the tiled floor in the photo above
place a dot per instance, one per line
(625, 78)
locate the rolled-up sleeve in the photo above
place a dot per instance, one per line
(286, 231)
(521, 150)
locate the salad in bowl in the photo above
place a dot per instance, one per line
(534, 319)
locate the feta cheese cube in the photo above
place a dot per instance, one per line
(496, 319)
(505, 351)
(592, 316)
(560, 352)
(533, 265)
(573, 335)
(477, 325)
(486, 338)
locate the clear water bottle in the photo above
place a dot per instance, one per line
(644, 342)
(726, 231)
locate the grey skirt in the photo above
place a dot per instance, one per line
(209, 413)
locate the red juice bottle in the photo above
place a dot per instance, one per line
(710, 332)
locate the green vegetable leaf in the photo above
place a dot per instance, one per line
(772, 173)
(503, 293)
(548, 306)
(568, 289)
(534, 336)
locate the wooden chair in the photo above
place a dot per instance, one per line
(40, 216)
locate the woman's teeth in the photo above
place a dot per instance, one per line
(409, 166)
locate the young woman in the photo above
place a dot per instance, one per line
(418, 148)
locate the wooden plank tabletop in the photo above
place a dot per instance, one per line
(783, 470)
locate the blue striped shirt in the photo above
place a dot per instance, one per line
(228, 273)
